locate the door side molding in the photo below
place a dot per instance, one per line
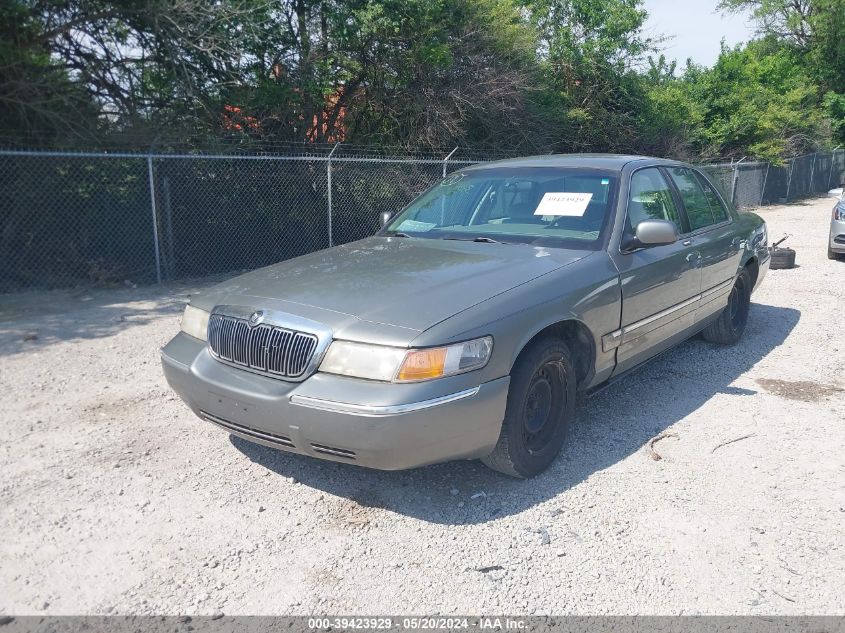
(614, 339)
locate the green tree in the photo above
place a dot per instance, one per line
(813, 27)
(588, 52)
(757, 100)
(414, 72)
(135, 62)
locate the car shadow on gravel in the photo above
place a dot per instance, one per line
(33, 320)
(611, 426)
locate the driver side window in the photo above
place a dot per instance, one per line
(650, 199)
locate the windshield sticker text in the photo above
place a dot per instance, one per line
(451, 180)
(563, 203)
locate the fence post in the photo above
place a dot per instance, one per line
(832, 163)
(812, 171)
(789, 178)
(155, 216)
(763, 189)
(735, 178)
(169, 263)
(329, 186)
(445, 160)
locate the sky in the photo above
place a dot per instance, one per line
(697, 28)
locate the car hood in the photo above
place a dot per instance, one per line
(408, 283)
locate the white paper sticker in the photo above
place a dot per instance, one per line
(563, 203)
(451, 180)
(415, 227)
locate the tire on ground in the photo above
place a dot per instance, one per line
(543, 371)
(728, 328)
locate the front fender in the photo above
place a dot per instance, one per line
(587, 292)
(756, 249)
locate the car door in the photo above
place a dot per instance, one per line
(712, 232)
(660, 284)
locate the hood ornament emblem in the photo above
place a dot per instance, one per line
(255, 317)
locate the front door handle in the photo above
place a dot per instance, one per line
(693, 257)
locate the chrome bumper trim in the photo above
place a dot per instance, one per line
(370, 410)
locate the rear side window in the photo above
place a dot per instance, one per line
(651, 199)
(702, 206)
(717, 207)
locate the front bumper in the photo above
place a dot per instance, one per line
(837, 236)
(379, 425)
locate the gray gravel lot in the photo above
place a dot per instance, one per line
(114, 498)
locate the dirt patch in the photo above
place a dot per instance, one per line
(110, 406)
(360, 510)
(803, 390)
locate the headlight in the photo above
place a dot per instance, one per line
(195, 322)
(378, 362)
(374, 362)
(839, 212)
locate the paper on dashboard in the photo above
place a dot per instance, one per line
(564, 203)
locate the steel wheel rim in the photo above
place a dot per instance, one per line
(542, 406)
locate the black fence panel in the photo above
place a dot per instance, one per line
(222, 215)
(71, 219)
(774, 189)
(361, 191)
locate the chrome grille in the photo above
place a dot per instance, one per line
(266, 348)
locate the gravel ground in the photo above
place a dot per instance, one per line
(114, 498)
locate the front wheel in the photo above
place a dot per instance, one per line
(540, 407)
(728, 328)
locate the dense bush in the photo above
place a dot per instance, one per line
(522, 76)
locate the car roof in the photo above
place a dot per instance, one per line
(612, 162)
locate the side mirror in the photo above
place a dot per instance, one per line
(652, 233)
(835, 193)
(384, 217)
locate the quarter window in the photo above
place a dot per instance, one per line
(716, 204)
(702, 207)
(651, 199)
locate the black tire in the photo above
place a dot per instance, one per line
(782, 258)
(831, 254)
(728, 328)
(540, 408)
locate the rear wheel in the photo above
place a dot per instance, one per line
(728, 328)
(540, 407)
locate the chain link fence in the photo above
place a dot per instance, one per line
(83, 218)
(756, 184)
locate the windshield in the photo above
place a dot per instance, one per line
(543, 206)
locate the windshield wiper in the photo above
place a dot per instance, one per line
(398, 234)
(477, 238)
